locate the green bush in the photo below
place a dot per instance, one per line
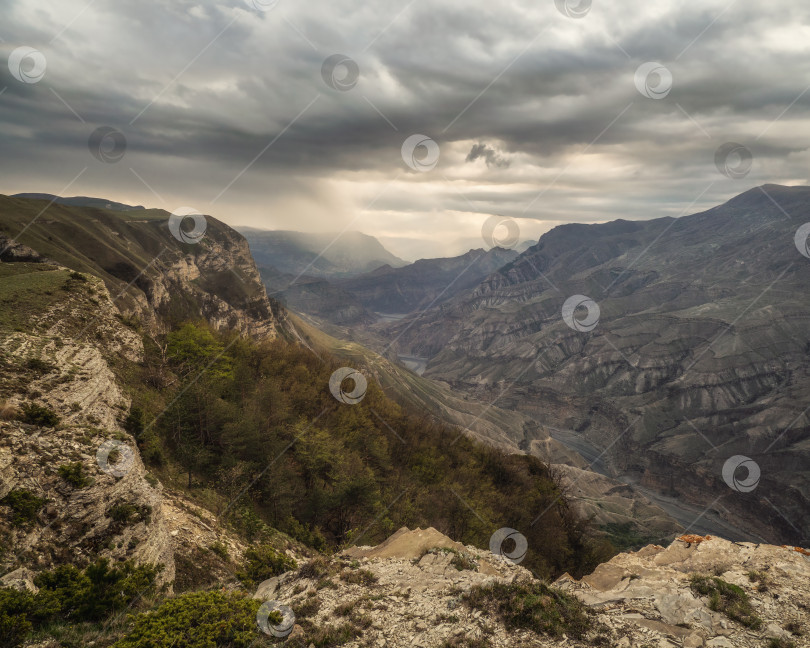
(24, 506)
(264, 562)
(98, 590)
(134, 423)
(38, 415)
(73, 474)
(532, 606)
(39, 365)
(726, 598)
(198, 620)
(220, 550)
(125, 513)
(70, 595)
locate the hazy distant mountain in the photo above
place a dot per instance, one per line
(315, 296)
(80, 201)
(317, 255)
(425, 282)
(702, 325)
(525, 245)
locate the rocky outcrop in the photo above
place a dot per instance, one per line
(410, 591)
(648, 593)
(95, 497)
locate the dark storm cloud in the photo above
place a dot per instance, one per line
(489, 155)
(212, 95)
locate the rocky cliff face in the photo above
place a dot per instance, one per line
(95, 499)
(697, 353)
(98, 499)
(150, 271)
(419, 588)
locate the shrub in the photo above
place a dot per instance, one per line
(68, 594)
(14, 609)
(219, 549)
(726, 598)
(73, 474)
(531, 606)
(24, 506)
(329, 636)
(199, 620)
(38, 415)
(779, 642)
(359, 577)
(134, 422)
(127, 513)
(39, 365)
(98, 590)
(316, 568)
(263, 562)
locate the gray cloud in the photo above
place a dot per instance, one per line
(489, 155)
(212, 95)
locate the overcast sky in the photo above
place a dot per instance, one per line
(536, 115)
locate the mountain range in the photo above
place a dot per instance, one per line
(171, 439)
(686, 347)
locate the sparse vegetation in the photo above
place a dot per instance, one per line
(359, 577)
(779, 642)
(461, 560)
(465, 642)
(759, 577)
(726, 598)
(531, 606)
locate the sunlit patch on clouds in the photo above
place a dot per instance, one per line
(536, 115)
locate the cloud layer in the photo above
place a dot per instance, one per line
(537, 116)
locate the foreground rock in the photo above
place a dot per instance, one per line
(410, 591)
